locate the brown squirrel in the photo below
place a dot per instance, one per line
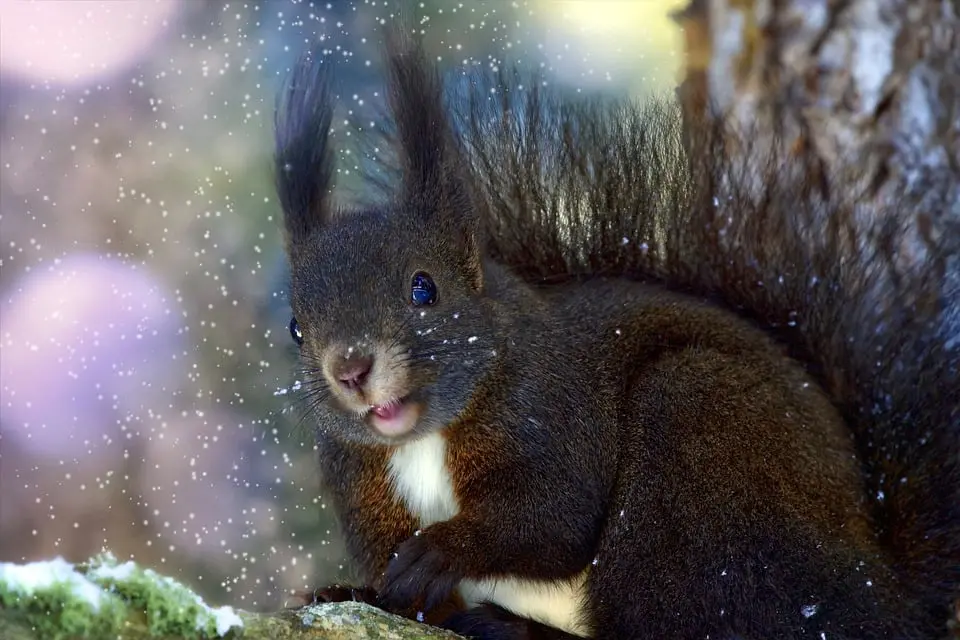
(573, 379)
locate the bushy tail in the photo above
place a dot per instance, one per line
(617, 188)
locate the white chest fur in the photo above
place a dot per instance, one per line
(421, 479)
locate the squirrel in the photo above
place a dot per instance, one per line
(573, 378)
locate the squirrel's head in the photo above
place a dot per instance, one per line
(394, 327)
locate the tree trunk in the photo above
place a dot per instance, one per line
(871, 84)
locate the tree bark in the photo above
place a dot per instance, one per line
(870, 84)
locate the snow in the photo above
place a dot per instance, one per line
(32, 577)
(226, 618)
(120, 572)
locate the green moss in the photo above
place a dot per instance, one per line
(98, 598)
(62, 608)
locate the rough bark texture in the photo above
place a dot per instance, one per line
(873, 84)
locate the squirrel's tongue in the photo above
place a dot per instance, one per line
(387, 411)
(394, 418)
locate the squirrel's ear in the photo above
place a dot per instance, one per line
(303, 157)
(415, 94)
(432, 183)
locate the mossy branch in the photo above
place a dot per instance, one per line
(55, 600)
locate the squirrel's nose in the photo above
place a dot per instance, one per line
(352, 371)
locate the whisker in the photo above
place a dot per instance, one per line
(394, 340)
(311, 402)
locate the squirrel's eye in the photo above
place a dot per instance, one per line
(295, 331)
(422, 289)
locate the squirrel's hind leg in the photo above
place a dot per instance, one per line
(738, 513)
(492, 622)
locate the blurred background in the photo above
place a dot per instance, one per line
(146, 370)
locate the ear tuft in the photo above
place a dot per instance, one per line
(434, 185)
(303, 158)
(415, 94)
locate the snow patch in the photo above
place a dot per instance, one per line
(226, 618)
(98, 586)
(28, 579)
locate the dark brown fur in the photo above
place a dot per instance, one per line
(729, 406)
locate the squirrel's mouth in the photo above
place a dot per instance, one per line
(396, 417)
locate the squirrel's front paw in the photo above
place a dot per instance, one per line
(420, 575)
(342, 593)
